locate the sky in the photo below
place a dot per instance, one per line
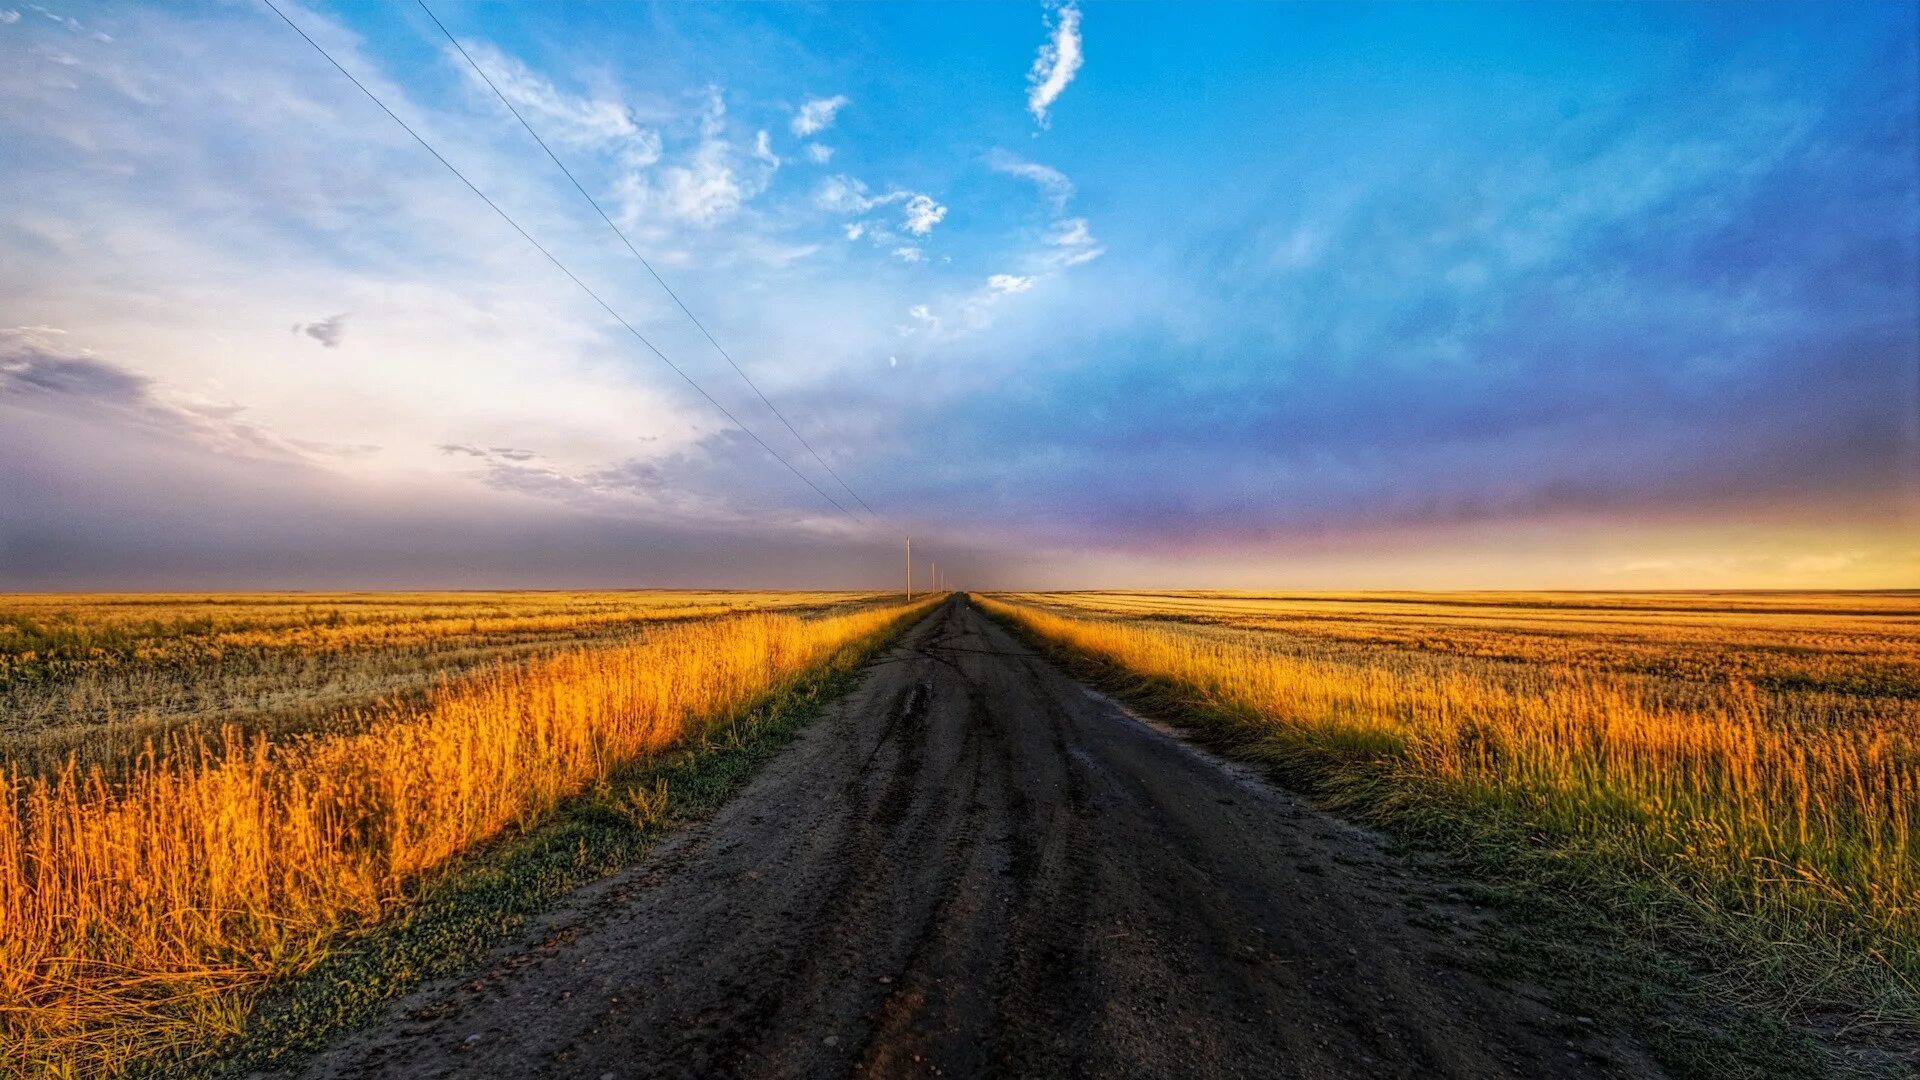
(1078, 295)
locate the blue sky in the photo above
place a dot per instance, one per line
(1276, 295)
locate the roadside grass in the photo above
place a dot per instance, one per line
(143, 915)
(457, 922)
(1610, 944)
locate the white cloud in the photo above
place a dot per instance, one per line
(1069, 240)
(706, 190)
(763, 149)
(1009, 283)
(641, 151)
(703, 186)
(847, 195)
(1051, 181)
(922, 214)
(1056, 64)
(923, 313)
(575, 119)
(9, 17)
(819, 154)
(817, 115)
(713, 118)
(909, 254)
(857, 229)
(1074, 243)
(1072, 232)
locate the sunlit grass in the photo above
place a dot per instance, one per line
(1747, 765)
(147, 904)
(99, 676)
(58, 631)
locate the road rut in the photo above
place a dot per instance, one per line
(972, 865)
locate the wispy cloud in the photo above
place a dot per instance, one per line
(703, 191)
(850, 195)
(503, 453)
(1073, 243)
(701, 182)
(329, 331)
(1057, 62)
(818, 114)
(1051, 181)
(39, 371)
(576, 119)
(705, 184)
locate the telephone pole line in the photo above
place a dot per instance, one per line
(909, 568)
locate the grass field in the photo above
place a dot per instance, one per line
(211, 800)
(99, 675)
(149, 896)
(1735, 773)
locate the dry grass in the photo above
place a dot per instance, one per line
(98, 677)
(148, 904)
(1745, 768)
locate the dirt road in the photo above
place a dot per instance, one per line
(975, 866)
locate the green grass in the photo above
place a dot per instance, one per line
(455, 924)
(1608, 945)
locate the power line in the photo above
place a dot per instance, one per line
(662, 282)
(562, 267)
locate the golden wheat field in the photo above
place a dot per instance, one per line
(98, 675)
(202, 792)
(1741, 771)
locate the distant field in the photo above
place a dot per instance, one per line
(99, 675)
(202, 793)
(1736, 771)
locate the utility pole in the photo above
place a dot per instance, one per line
(909, 569)
(933, 574)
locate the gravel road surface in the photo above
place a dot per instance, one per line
(973, 865)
